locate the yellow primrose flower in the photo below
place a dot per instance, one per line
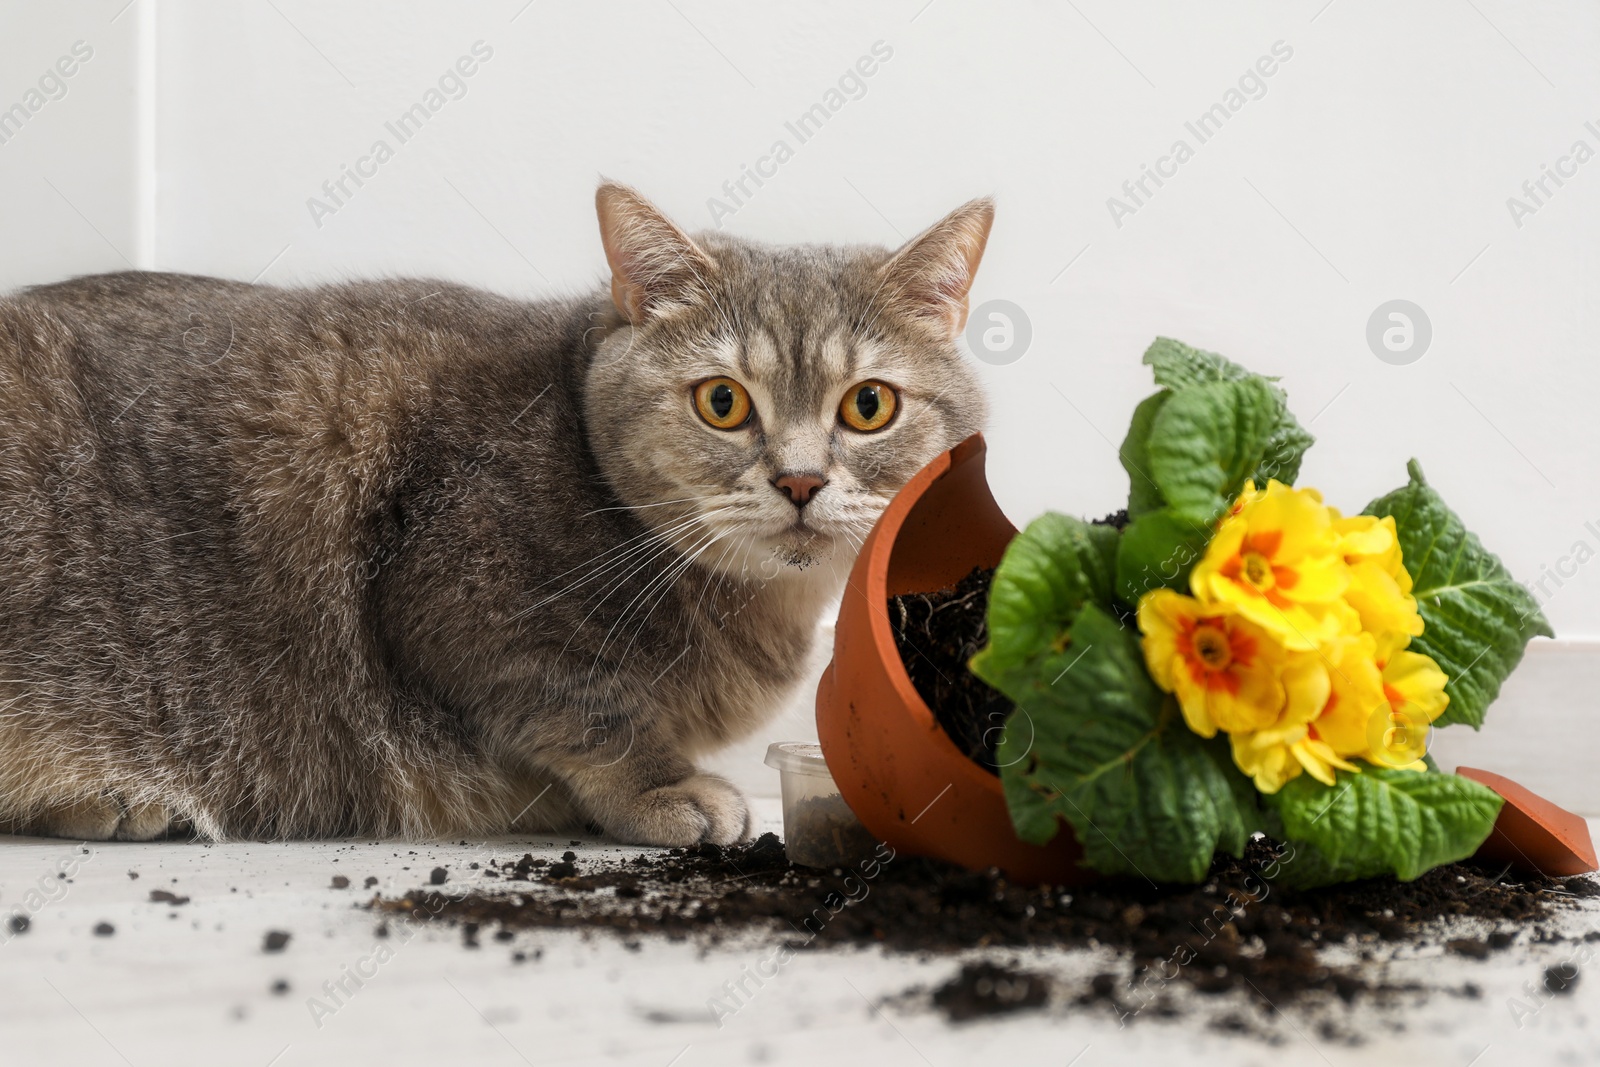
(1380, 586)
(1317, 738)
(1380, 700)
(1294, 643)
(1275, 559)
(1356, 700)
(1413, 686)
(1228, 673)
(1247, 496)
(1295, 742)
(1271, 757)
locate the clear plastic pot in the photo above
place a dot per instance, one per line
(819, 829)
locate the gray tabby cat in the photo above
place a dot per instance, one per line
(406, 558)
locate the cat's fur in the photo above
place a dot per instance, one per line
(407, 558)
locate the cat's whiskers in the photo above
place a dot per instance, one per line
(633, 547)
(658, 543)
(646, 535)
(628, 549)
(640, 507)
(713, 573)
(600, 597)
(716, 575)
(664, 581)
(666, 588)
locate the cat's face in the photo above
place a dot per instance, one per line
(763, 405)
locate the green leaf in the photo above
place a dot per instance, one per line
(1381, 821)
(1157, 550)
(1094, 742)
(1206, 440)
(1477, 618)
(1143, 496)
(1178, 366)
(1049, 570)
(1285, 448)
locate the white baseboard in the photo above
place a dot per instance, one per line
(1542, 732)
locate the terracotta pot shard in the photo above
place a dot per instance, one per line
(1533, 834)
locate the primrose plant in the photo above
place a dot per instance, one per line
(1241, 657)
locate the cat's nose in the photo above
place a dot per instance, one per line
(799, 488)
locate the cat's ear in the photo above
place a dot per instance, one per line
(931, 276)
(654, 265)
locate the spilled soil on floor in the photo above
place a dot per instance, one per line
(1236, 931)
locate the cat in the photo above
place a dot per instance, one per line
(404, 558)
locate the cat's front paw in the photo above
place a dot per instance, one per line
(701, 808)
(104, 817)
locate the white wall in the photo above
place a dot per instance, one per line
(1377, 165)
(70, 160)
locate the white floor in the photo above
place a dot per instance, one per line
(191, 983)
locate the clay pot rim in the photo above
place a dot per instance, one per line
(890, 523)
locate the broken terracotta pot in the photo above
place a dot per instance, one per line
(896, 768)
(1532, 834)
(913, 788)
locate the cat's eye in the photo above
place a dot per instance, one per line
(722, 402)
(869, 406)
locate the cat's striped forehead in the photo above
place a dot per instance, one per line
(799, 319)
